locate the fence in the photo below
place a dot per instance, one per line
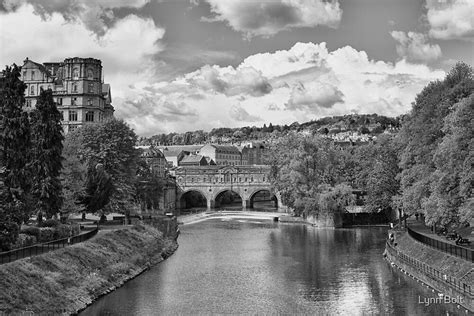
(455, 250)
(431, 272)
(12, 255)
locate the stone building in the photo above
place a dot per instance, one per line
(193, 160)
(252, 153)
(78, 89)
(155, 160)
(223, 155)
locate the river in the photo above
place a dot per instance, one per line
(253, 266)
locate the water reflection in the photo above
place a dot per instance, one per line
(244, 267)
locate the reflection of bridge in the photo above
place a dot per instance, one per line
(212, 181)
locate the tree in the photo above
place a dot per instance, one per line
(422, 131)
(111, 144)
(15, 157)
(382, 183)
(47, 137)
(73, 173)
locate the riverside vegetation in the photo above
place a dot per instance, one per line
(67, 280)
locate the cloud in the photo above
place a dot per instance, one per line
(314, 96)
(230, 81)
(451, 19)
(97, 16)
(414, 47)
(240, 114)
(257, 18)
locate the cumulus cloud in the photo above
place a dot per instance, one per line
(313, 96)
(415, 47)
(97, 15)
(238, 113)
(230, 81)
(257, 18)
(451, 19)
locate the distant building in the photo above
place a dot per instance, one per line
(78, 89)
(155, 160)
(222, 154)
(174, 156)
(252, 153)
(193, 160)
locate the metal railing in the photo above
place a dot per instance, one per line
(20, 253)
(455, 250)
(431, 272)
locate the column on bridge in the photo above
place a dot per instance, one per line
(210, 203)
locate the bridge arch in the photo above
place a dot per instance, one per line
(227, 196)
(192, 197)
(272, 195)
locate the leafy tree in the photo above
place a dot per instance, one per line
(112, 144)
(73, 173)
(15, 146)
(98, 190)
(451, 197)
(47, 137)
(422, 131)
(149, 187)
(382, 183)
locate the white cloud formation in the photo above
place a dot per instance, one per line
(97, 16)
(415, 47)
(451, 19)
(313, 96)
(299, 84)
(238, 113)
(267, 18)
(230, 81)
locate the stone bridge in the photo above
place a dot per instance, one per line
(211, 181)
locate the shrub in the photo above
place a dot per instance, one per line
(25, 240)
(31, 230)
(46, 234)
(8, 234)
(50, 223)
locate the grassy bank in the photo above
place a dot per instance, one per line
(67, 280)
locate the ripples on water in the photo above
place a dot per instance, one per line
(248, 266)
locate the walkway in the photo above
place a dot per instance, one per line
(420, 227)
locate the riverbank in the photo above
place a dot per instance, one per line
(67, 280)
(452, 277)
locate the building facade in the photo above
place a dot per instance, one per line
(155, 160)
(223, 155)
(78, 89)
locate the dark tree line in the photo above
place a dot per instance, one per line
(30, 156)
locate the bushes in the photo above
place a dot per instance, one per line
(45, 234)
(25, 240)
(50, 223)
(31, 230)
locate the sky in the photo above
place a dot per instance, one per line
(188, 65)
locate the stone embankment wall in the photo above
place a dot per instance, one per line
(449, 275)
(67, 280)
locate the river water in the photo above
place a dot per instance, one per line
(255, 266)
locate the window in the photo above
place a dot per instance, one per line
(73, 101)
(75, 74)
(28, 103)
(90, 116)
(32, 90)
(91, 87)
(72, 116)
(61, 115)
(24, 75)
(32, 75)
(74, 87)
(72, 128)
(59, 101)
(90, 74)
(89, 101)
